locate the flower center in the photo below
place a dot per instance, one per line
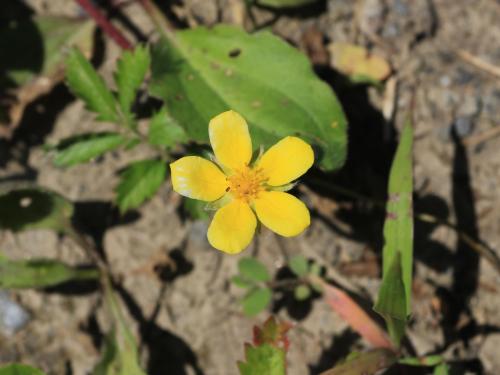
(247, 183)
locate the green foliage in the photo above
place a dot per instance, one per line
(252, 269)
(364, 363)
(39, 273)
(130, 73)
(19, 369)
(432, 360)
(200, 73)
(33, 208)
(139, 182)
(82, 148)
(267, 353)
(256, 301)
(299, 265)
(302, 292)
(394, 299)
(441, 369)
(120, 354)
(195, 209)
(164, 130)
(37, 46)
(84, 81)
(285, 3)
(241, 282)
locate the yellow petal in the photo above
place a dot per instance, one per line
(232, 228)
(197, 178)
(286, 161)
(282, 213)
(230, 139)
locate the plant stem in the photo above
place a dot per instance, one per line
(108, 28)
(161, 23)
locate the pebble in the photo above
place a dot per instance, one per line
(13, 316)
(463, 126)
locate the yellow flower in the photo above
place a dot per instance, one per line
(241, 188)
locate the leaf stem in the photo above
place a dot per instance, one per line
(108, 28)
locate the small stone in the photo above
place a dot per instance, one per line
(463, 126)
(445, 81)
(13, 316)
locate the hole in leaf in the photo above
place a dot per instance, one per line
(234, 52)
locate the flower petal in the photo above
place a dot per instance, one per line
(282, 213)
(198, 178)
(230, 139)
(286, 161)
(232, 228)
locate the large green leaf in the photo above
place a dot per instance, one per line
(84, 81)
(256, 301)
(32, 208)
(82, 148)
(131, 71)
(139, 182)
(19, 369)
(39, 273)
(202, 72)
(394, 299)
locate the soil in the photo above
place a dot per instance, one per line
(189, 319)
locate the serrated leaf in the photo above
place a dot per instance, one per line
(85, 83)
(302, 292)
(200, 73)
(164, 130)
(267, 354)
(299, 265)
(285, 3)
(256, 301)
(241, 282)
(19, 369)
(252, 269)
(139, 182)
(85, 147)
(130, 73)
(40, 273)
(394, 299)
(33, 208)
(364, 363)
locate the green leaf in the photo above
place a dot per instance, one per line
(442, 369)
(131, 71)
(200, 73)
(82, 148)
(19, 369)
(195, 209)
(139, 182)
(120, 355)
(85, 83)
(37, 46)
(256, 301)
(33, 208)
(431, 360)
(364, 363)
(302, 292)
(40, 273)
(285, 3)
(241, 282)
(252, 269)
(267, 354)
(164, 130)
(299, 265)
(394, 299)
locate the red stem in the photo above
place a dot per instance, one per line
(104, 24)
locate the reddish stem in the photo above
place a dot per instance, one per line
(104, 24)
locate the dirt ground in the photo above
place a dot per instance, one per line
(189, 320)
